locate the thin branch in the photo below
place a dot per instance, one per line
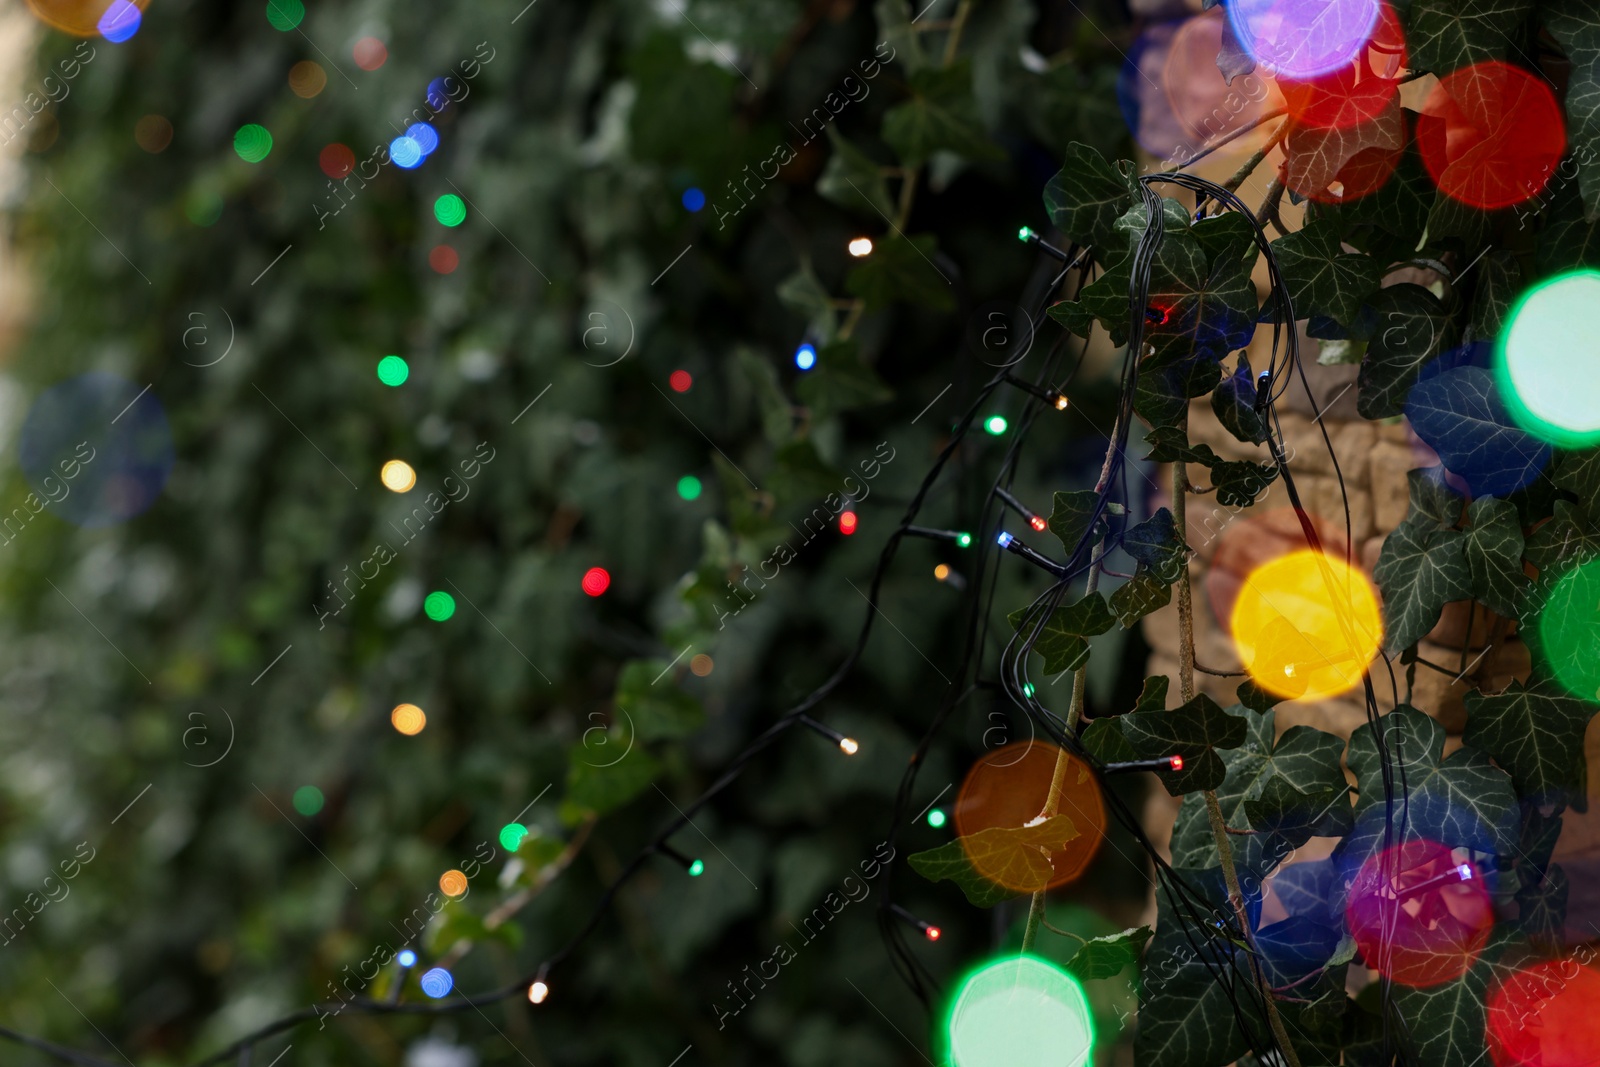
(1046, 923)
(1249, 166)
(1229, 139)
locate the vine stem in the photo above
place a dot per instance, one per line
(1219, 825)
(1080, 677)
(1249, 165)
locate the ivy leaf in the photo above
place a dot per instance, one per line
(1155, 543)
(1446, 35)
(1317, 155)
(1322, 278)
(1459, 414)
(777, 414)
(656, 707)
(1071, 515)
(803, 293)
(1186, 1014)
(1412, 329)
(1568, 239)
(940, 116)
(1535, 734)
(1239, 482)
(1542, 910)
(1234, 404)
(1102, 957)
(1311, 889)
(841, 382)
(1256, 698)
(1103, 740)
(1139, 596)
(800, 473)
(1169, 444)
(1194, 731)
(1294, 948)
(1153, 694)
(1568, 539)
(1016, 856)
(1061, 642)
(1297, 815)
(1494, 556)
(1500, 282)
(1433, 503)
(854, 181)
(1579, 474)
(1446, 1025)
(1162, 396)
(595, 787)
(1573, 24)
(1087, 196)
(1227, 237)
(1419, 571)
(1203, 312)
(901, 268)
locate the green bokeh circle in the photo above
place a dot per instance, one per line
(1569, 630)
(1545, 359)
(1020, 1012)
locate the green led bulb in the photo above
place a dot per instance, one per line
(696, 868)
(996, 424)
(936, 818)
(963, 540)
(1024, 233)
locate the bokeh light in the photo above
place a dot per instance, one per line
(405, 153)
(398, 477)
(936, 818)
(689, 487)
(252, 142)
(1491, 135)
(438, 95)
(408, 719)
(120, 21)
(680, 380)
(153, 133)
(1546, 359)
(1544, 1015)
(308, 800)
(307, 79)
(860, 247)
(439, 605)
(1008, 787)
(81, 18)
(697, 868)
(1355, 94)
(511, 835)
(406, 958)
(1304, 38)
(596, 580)
(996, 425)
(98, 447)
(1419, 915)
(701, 665)
(805, 357)
(437, 983)
(369, 53)
(392, 370)
(450, 210)
(1020, 1011)
(453, 883)
(426, 137)
(285, 15)
(444, 259)
(1306, 625)
(336, 161)
(202, 206)
(849, 521)
(1569, 630)
(694, 199)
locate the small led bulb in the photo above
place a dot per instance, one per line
(849, 746)
(537, 992)
(1061, 402)
(1040, 523)
(1004, 540)
(932, 933)
(1176, 762)
(861, 246)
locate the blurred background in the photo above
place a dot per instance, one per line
(585, 271)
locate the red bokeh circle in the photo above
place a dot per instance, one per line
(1491, 135)
(1428, 925)
(336, 161)
(369, 53)
(596, 580)
(1354, 94)
(1544, 1016)
(680, 380)
(444, 259)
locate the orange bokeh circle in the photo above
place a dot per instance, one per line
(453, 883)
(1008, 787)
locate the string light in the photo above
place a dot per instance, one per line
(805, 357)
(1016, 547)
(929, 931)
(1027, 690)
(1037, 521)
(693, 199)
(695, 867)
(936, 818)
(995, 425)
(701, 665)
(1054, 397)
(961, 538)
(847, 745)
(848, 522)
(1165, 763)
(453, 883)
(407, 958)
(860, 247)
(537, 992)
(397, 476)
(1027, 236)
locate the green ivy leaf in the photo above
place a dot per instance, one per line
(1102, 957)
(1087, 196)
(594, 788)
(1256, 698)
(1419, 571)
(1535, 734)
(1071, 515)
(1568, 239)
(1446, 1025)
(1103, 740)
(1579, 474)
(1186, 1015)
(658, 709)
(1574, 25)
(799, 473)
(902, 268)
(1446, 35)
(1169, 444)
(803, 293)
(1162, 396)
(841, 382)
(1017, 855)
(1139, 596)
(1239, 482)
(1500, 282)
(1542, 911)
(1234, 403)
(1153, 694)
(854, 181)
(1412, 328)
(1297, 815)
(940, 116)
(1434, 505)
(1493, 548)
(1322, 278)
(1194, 731)
(777, 414)
(1568, 539)
(1156, 544)
(1061, 642)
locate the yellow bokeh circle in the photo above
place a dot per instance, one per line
(408, 719)
(1307, 625)
(453, 883)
